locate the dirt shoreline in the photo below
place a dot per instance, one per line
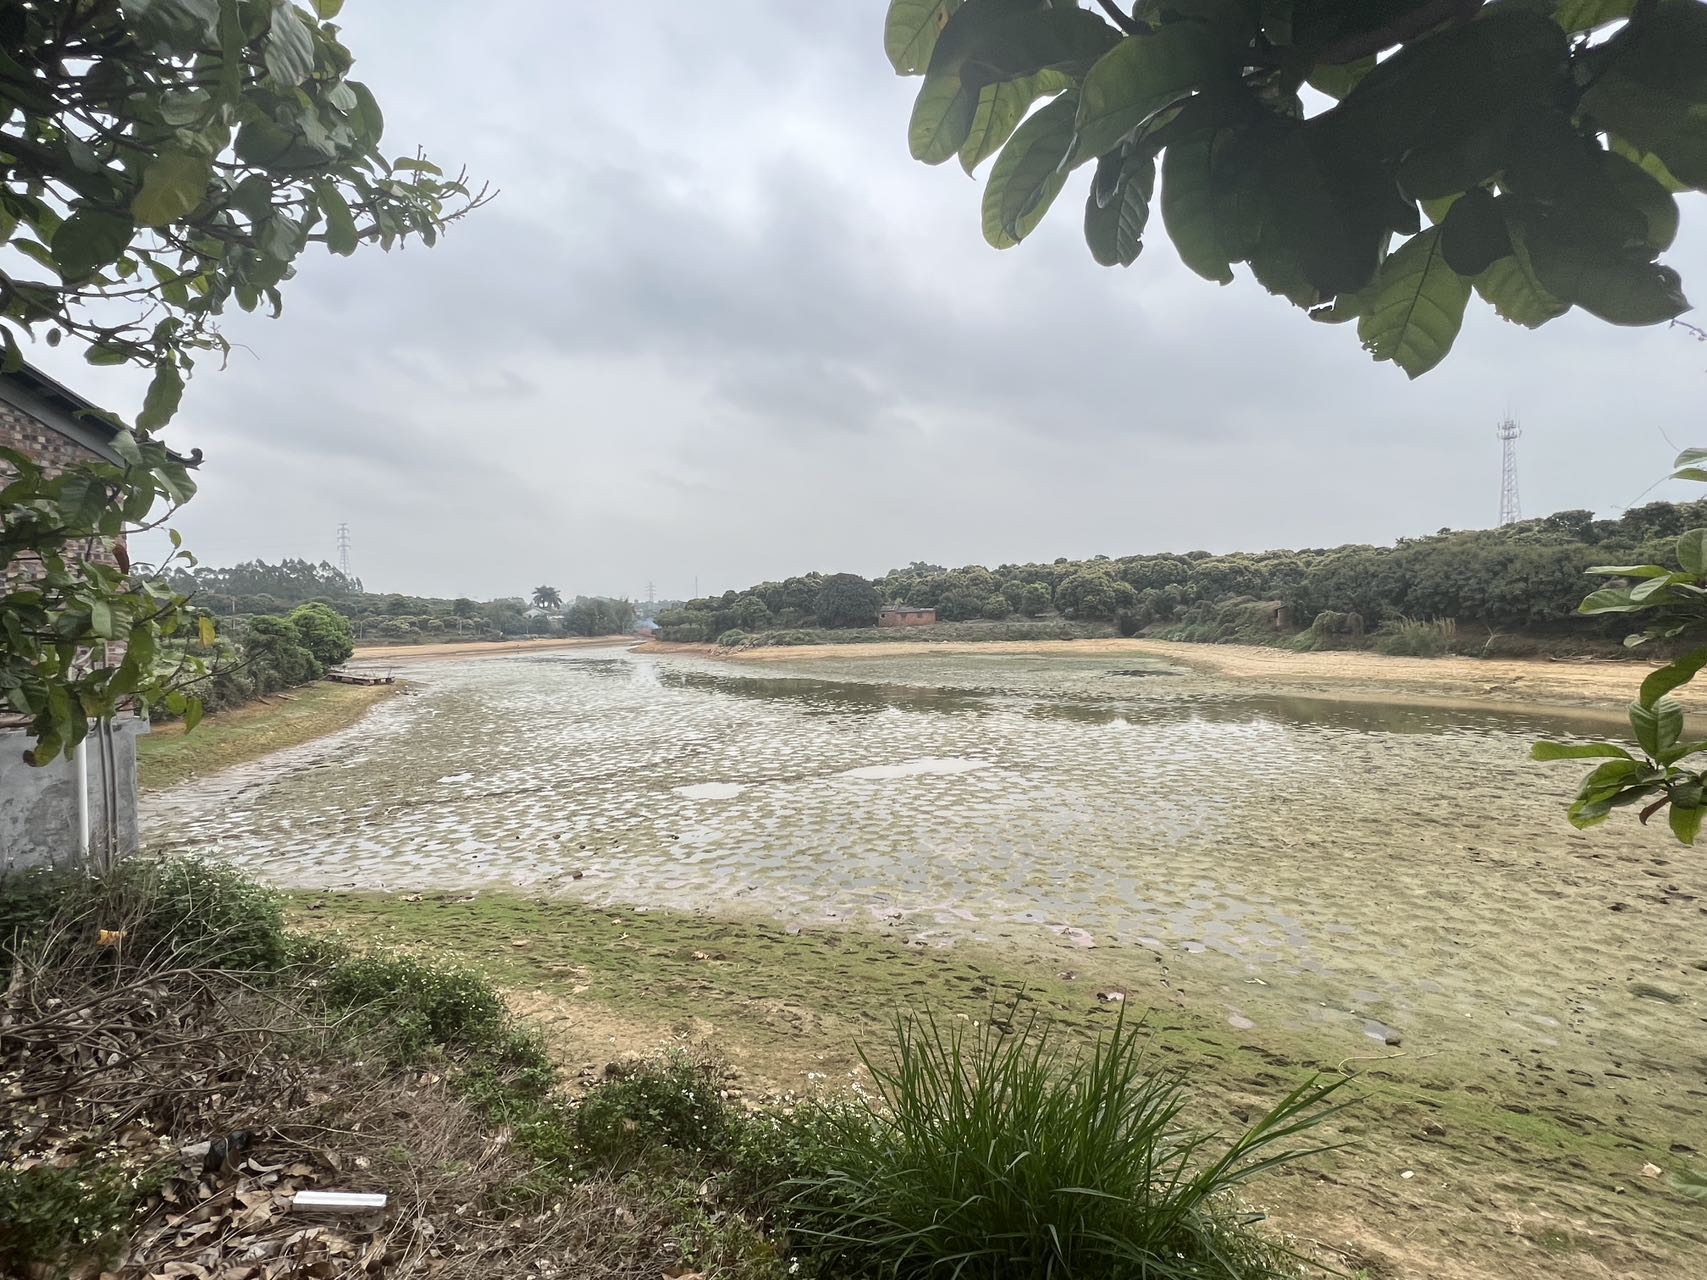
(1596, 688)
(481, 648)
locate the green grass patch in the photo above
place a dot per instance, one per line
(168, 755)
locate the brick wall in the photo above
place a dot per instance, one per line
(38, 441)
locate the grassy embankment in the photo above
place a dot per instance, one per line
(167, 755)
(1507, 1179)
(179, 1068)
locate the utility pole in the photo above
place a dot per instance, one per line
(344, 551)
(1509, 431)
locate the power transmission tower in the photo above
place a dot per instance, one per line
(1510, 511)
(651, 596)
(344, 551)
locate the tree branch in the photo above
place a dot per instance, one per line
(1401, 29)
(1130, 25)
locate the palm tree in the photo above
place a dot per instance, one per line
(547, 597)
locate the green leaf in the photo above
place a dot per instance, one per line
(1692, 552)
(1416, 306)
(328, 9)
(192, 714)
(1340, 79)
(1586, 15)
(124, 444)
(1629, 571)
(1473, 235)
(1029, 173)
(1000, 109)
(205, 631)
(173, 184)
(942, 118)
(1585, 751)
(165, 391)
(1673, 675)
(1141, 76)
(1685, 821)
(1642, 191)
(1689, 457)
(1622, 289)
(1689, 473)
(1013, 46)
(910, 31)
(289, 51)
(1609, 600)
(340, 224)
(90, 239)
(1189, 204)
(1659, 726)
(1653, 121)
(1114, 228)
(101, 619)
(1449, 86)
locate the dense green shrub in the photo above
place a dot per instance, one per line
(989, 1154)
(418, 1005)
(194, 913)
(730, 638)
(52, 1219)
(671, 1104)
(324, 632)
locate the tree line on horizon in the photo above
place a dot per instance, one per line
(1522, 577)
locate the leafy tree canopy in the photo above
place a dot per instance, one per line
(1524, 150)
(162, 158)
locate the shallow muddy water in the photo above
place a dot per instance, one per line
(1383, 874)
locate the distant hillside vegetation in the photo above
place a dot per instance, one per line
(1510, 590)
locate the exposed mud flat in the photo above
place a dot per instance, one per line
(1393, 886)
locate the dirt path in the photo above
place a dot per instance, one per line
(1515, 683)
(480, 648)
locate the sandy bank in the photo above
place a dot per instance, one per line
(1357, 675)
(480, 648)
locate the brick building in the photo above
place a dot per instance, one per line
(42, 819)
(901, 616)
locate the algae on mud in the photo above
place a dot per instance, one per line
(1309, 877)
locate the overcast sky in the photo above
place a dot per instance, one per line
(720, 327)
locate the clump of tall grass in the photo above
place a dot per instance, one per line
(991, 1153)
(1416, 637)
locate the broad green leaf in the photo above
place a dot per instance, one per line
(1657, 727)
(1651, 587)
(1000, 109)
(340, 225)
(1642, 191)
(942, 118)
(910, 31)
(1609, 600)
(1685, 821)
(1473, 236)
(1629, 571)
(173, 184)
(1141, 76)
(1029, 173)
(1583, 751)
(1189, 206)
(90, 239)
(1620, 289)
(1338, 80)
(1444, 168)
(1689, 457)
(1615, 775)
(165, 391)
(328, 9)
(1114, 227)
(289, 51)
(124, 444)
(192, 714)
(1689, 473)
(101, 619)
(1450, 85)
(1012, 46)
(205, 632)
(1586, 15)
(1653, 121)
(1649, 163)
(1674, 675)
(1692, 552)
(1416, 306)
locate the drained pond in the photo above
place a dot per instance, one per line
(1382, 878)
